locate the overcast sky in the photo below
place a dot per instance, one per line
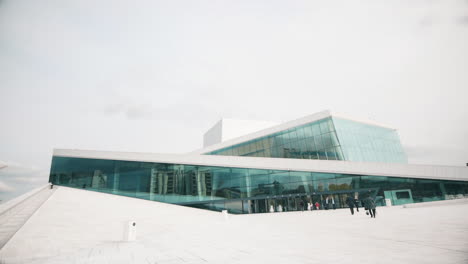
(153, 76)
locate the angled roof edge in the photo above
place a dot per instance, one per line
(218, 123)
(265, 132)
(458, 173)
(360, 120)
(284, 126)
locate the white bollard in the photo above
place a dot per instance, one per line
(225, 213)
(129, 231)
(388, 202)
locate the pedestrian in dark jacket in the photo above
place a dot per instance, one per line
(356, 203)
(370, 205)
(350, 203)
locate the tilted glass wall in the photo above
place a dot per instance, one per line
(316, 140)
(365, 142)
(242, 190)
(325, 139)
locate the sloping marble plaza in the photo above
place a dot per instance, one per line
(80, 226)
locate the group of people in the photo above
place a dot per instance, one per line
(368, 203)
(327, 204)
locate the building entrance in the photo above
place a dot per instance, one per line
(298, 202)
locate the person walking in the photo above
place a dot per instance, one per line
(317, 205)
(350, 203)
(356, 204)
(301, 205)
(370, 205)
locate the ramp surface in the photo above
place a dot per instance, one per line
(79, 226)
(14, 217)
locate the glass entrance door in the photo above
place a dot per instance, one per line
(292, 206)
(261, 206)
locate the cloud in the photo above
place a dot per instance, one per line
(113, 109)
(427, 21)
(131, 111)
(462, 20)
(424, 154)
(5, 187)
(180, 111)
(135, 112)
(18, 173)
(17, 179)
(15, 166)
(3, 164)
(32, 180)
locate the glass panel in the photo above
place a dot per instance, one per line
(402, 195)
(358, 141)
(324, 127)
(316, 129)
(293, 135)
(334, 139)
(326, 139)
(365, 142)
(331, 155)
(318, 142)
(234, 189)
(308, 131)
(300, 133)
(339, 153)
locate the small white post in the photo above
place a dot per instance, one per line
(225, 213)
(388, 202)
(129, 231)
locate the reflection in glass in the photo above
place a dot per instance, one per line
(241, 190)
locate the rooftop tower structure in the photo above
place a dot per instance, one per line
(323, 136)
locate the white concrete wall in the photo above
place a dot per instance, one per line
(233, 128)
(213, 135)
(226, 129)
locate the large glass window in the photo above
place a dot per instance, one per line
(366, 142)
(238, 189)
(355, 141)
(309, 141)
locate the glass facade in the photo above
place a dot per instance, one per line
(364, 142)
(242, 190)
(316, 140)
(326, 139)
